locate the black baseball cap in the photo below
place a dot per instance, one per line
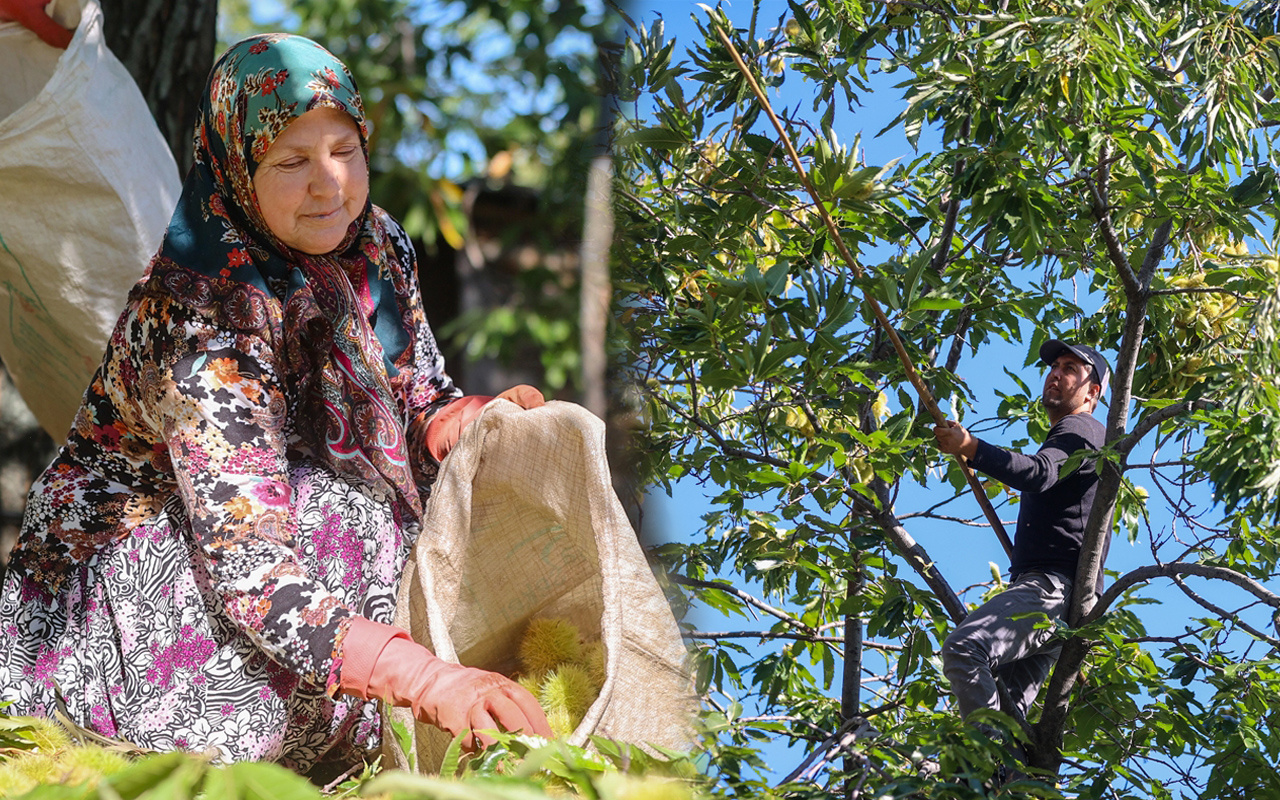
(1053, 348)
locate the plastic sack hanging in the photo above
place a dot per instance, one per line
(87, 186)
(523, 524)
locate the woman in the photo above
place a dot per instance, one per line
(209, 561)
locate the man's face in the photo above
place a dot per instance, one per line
(1067, 387)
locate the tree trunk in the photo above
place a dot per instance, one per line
(851, 684)
(1047, 733)
(168, 48)
(597, 234)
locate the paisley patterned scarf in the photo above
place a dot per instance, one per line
(338, 342)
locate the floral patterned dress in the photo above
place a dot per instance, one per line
(246, 472)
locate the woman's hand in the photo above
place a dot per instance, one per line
(460, 699)
(524, 396)
(445, 428)
(382, 662)
(31, 15)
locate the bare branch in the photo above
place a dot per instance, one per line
(1154, 640)
(761, 636)
(1153, 420)
(769, 635)
(852, 730)
(971, 523)
(1222, 613)
(1170, 570)
(1155, 254)
(1099, 189)
(830, 748)
(750, 600)
(1241, 296)
(920, 561)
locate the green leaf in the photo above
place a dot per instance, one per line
(249, 780)
(397, 784)
(165, 775)
(658, 137)
(933, 302)
(452, 760)
(404, 740)
(51, 791)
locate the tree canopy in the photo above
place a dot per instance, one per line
(1079, 169)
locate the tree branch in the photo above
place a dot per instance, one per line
(920, 561)
(1241, 296)
(1152, 420)
(837, 239)
(965, 317)
(1099, 188)
(1222, 613)
(1047, 734)
(770, 635)
(762, 636)
(830, 748)
(1174, 569)
(750, 600)
(951, 205)
(851, 680)
(850, 731)
(719, 439)
(1098, 528)
(915, 555)
(1155, 254)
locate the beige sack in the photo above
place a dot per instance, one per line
(87, 186)
(523, 523)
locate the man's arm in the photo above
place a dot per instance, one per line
(1034, 473)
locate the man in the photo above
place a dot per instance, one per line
(1005, 638)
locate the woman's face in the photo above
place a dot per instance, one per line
(313, 181)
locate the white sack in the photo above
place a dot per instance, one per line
(87, 186)
(523, 523)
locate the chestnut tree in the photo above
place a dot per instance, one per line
(1093, 170)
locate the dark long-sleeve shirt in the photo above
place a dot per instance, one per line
(1053, 511)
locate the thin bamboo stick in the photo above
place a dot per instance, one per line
(926, 397)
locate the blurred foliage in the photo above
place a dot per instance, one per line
(467, 95)
(1051, 148)
(41, 761)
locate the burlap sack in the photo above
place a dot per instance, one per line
(87, 186)
(524, 523)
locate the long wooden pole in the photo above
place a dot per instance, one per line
(926, 397)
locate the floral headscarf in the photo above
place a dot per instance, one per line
(337, 313)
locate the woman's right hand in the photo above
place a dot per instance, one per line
(382, 662)
(31, 15)
(460, 699)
